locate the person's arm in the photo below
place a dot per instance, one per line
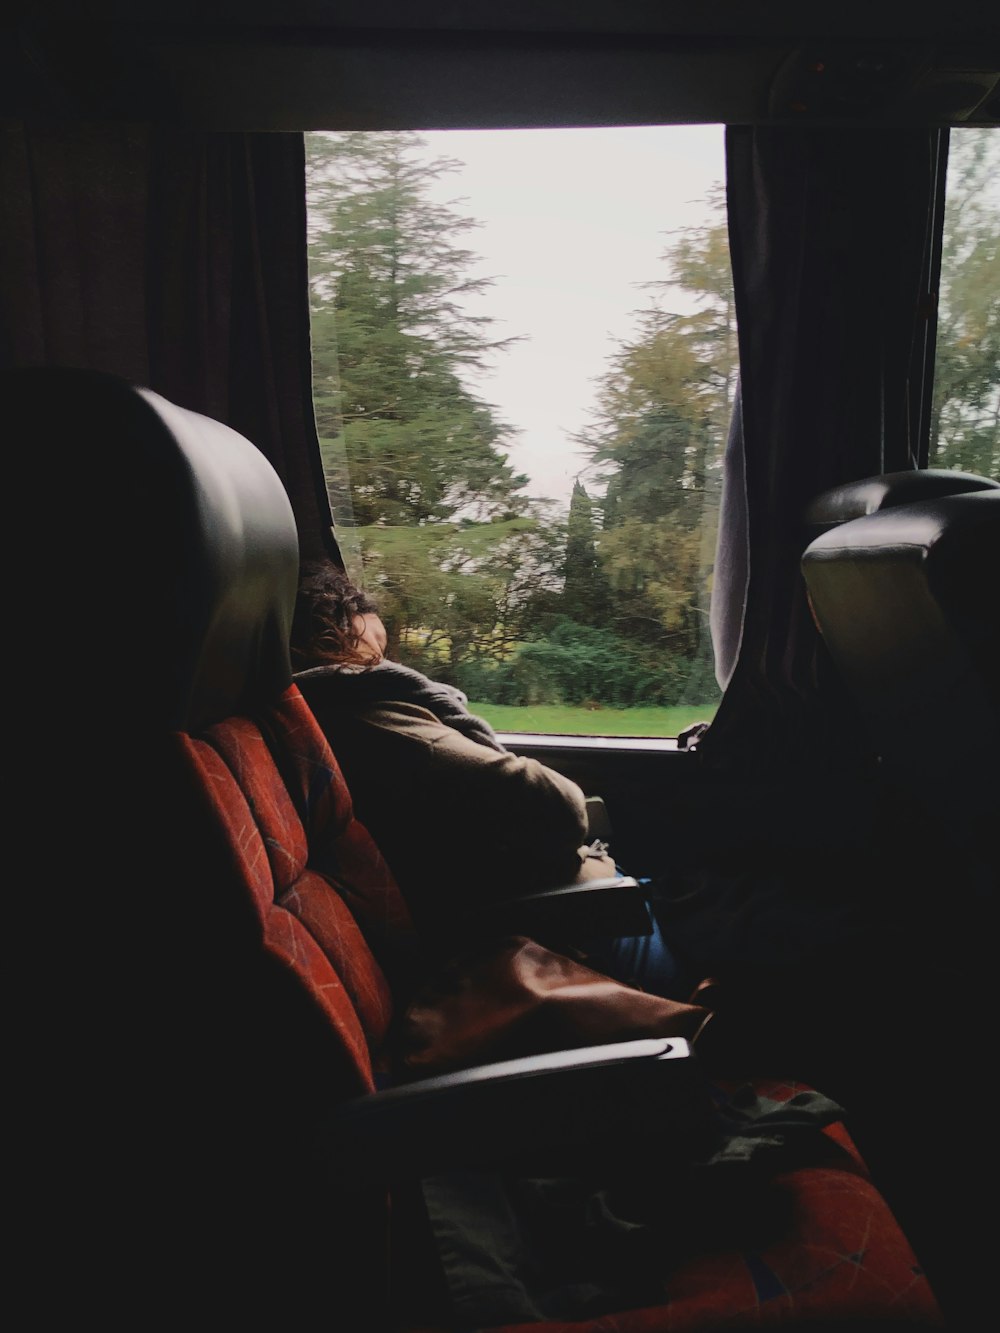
(490, 815)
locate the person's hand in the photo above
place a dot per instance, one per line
(596, 867)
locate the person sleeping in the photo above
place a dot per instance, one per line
(458, 817)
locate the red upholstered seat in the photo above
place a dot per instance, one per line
(317, 883)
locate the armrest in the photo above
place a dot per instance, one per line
(546, 1113)
(598, 908)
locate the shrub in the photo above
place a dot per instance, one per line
(582, 665)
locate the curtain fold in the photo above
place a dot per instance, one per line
(835, 316)
(731, 567)
(177, 260)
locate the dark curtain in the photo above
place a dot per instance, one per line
(178, 261)
(729, 583)
(833, 235)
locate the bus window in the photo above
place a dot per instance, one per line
(524, 357)
(965, 413)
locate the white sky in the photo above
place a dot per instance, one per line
(572, 220)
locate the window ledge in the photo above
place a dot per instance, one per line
(518, 740)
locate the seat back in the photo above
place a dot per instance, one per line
(255, 927)
(907, 600)
(871, 495)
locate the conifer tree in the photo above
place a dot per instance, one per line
(394, 342)
(429, 511)
(585, 592)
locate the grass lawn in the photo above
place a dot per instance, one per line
(562, 720)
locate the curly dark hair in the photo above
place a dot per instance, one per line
(327, 608)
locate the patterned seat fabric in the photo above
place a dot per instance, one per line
(305, 920)
(838, 1261)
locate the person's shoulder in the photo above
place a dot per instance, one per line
(413, 724)
(318, 685)
(406, 717)
(354, 686)
(308, 675)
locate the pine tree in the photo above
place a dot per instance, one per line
(585, 592)
(394, 343)
(430, 514)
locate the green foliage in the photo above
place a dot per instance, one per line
(467, 571)
(451, 593)
(656, 443)
(579, 665)
(429, 510)
(585, 590)
(394, 342)
(965, 420)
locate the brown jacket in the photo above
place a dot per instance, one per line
(454, 819)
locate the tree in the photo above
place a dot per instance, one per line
(394, 342)
(452, 594)
(585, 593)
(429, 510)
(656, 443)
(965, 418)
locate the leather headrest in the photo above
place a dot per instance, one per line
(855, 499)
(908, 602)
(173, 540)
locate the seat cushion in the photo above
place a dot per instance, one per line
(819, 1248)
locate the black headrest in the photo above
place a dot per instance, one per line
(908, 602)
(855, 499)
(168, 549)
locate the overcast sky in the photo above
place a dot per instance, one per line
(572, 221)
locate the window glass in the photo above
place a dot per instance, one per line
(965, 414)
(524, 357)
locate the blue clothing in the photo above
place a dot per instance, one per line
(640, 960)
(645, 961)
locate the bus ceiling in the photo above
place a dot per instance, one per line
(306, 64)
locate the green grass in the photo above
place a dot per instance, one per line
(562, 720)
